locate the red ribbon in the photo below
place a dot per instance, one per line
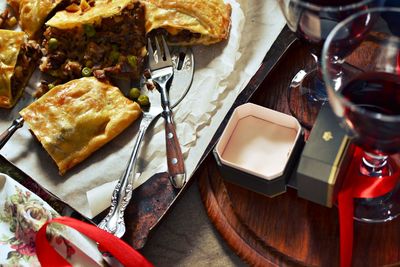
(357, 186)
(49, 257)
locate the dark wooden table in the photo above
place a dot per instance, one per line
(287, 230)
(282, 231)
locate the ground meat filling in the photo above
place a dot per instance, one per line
(28, 55)
(116, 46)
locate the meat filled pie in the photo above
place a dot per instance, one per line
(74, 119)
(189, 22)
(17, 62)
(103, 40)
(33, 13)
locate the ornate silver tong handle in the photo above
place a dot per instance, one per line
(114, 221)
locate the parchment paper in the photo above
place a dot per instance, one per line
(222, 71)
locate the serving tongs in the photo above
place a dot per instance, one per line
(114, 221)
(28, 97)
(6, 135)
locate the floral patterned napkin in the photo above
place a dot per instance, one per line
(22, 213)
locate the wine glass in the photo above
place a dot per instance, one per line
(311, 21)
(361, 70)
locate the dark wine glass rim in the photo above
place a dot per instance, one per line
(316, 7)
(326, 76)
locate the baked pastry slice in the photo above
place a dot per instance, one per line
(74, 119)
(33, 13)
(189, 22)
(108, 39)
(17, 62)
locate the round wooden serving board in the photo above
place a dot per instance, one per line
(287, 230)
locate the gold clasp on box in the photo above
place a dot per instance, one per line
(327, 136)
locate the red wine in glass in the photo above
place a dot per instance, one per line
(315, 26)
(312, 21)
(374, 94)
(361, 73)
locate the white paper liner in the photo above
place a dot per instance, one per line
(99, 197)
(222, 72)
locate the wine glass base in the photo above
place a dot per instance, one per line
(380, 209)
(306, 96)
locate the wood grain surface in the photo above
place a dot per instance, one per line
(287, 230)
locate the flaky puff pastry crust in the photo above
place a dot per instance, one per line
(33, 13)
(10, 45)
(94, 15)
(209, 18)
(75, 119)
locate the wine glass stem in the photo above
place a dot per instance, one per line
(374, 165)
